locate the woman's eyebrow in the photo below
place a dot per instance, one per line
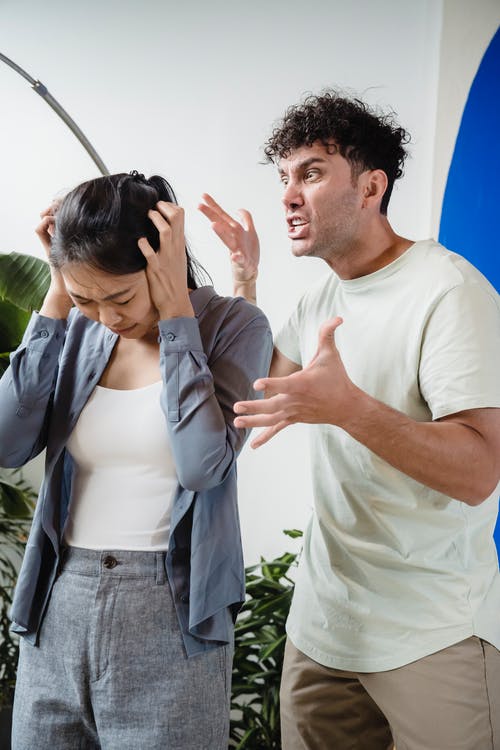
(104, 299)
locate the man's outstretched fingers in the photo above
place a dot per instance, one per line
(246, 219)
(213, 211)
(260, 406)
(266, 435)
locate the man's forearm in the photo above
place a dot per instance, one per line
(451, 456)
(458, 455)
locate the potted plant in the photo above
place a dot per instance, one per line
(23, 283)
(16, 505)
(258, 656)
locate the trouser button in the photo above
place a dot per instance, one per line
(110, 561)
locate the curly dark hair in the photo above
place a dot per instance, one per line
(366, 138)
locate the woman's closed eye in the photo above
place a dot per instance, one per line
(83, 302)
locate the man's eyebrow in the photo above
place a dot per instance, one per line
(306, 163)
(104, 299)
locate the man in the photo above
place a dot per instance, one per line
(394, 629)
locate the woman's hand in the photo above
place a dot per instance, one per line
(57, 302)
(242, 241)
(166, 269)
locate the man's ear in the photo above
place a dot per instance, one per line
(373, 186)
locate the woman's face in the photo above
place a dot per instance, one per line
(120, 302)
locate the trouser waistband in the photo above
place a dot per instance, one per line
(118, 563)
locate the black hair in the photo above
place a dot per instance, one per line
(366, 138)
(99, 222)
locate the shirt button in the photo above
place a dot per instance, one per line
(110, 562)
(44, 334)
(184, 598)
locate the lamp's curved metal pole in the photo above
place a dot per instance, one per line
(45, 94)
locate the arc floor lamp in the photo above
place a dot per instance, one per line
(42, 91)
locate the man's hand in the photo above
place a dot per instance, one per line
(458, 455)
(242, 241)
(321, 393)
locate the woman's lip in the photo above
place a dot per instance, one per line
(122, 330)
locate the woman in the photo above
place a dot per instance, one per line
(133, 571)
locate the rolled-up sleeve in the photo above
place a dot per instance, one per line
(200, 392)
(26, 389)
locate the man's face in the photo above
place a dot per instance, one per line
(322, 204)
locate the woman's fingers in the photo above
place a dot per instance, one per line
(168, 218)
(166, 269)
(45, 231)
(147, 250)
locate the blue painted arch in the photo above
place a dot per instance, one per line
(470, 218)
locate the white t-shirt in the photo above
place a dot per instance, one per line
(124, 478)
(391, 570)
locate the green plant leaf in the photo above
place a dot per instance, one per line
(13, 322)
(266, 652)
(293, 533)
(258, 658)
(13, 535)
(4, 361)
(24, 280)
(15, 497)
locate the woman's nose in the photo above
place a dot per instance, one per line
(109, 317)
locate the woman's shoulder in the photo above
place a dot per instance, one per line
(209, 305)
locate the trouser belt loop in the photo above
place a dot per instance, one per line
(161, 575)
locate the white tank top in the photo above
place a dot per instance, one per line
(124, 476)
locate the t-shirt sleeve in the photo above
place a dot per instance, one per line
(460, 355)
(287, 340)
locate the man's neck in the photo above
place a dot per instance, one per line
(378, 246)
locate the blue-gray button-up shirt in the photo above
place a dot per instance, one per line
(207, 363)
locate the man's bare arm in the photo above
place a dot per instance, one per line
(242, 242)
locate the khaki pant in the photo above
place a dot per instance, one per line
(449, 700)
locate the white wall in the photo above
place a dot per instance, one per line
(468, 28)
(190, 91)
